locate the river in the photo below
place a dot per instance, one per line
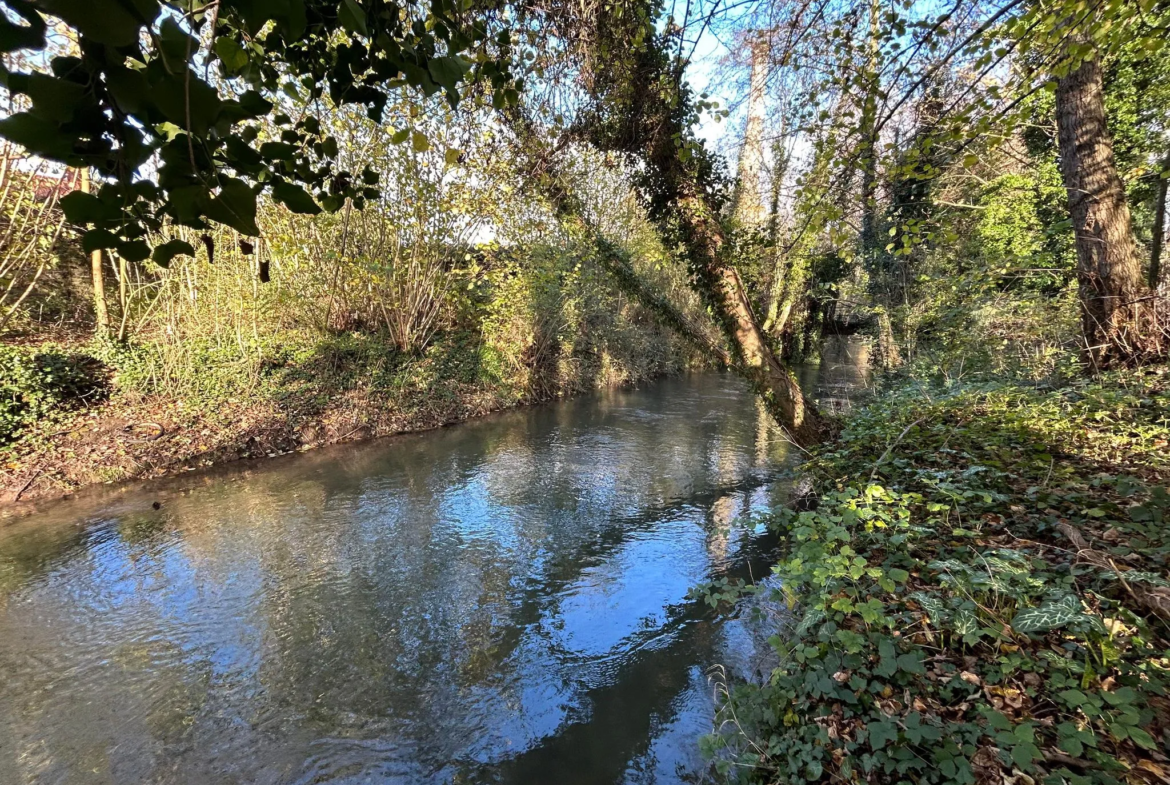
(503, 601)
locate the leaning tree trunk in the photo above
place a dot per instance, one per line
(720, 285)
(1108, 270)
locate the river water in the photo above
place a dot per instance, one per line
(500, 601)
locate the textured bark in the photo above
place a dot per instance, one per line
(725, 292)
(1159, 239)
(1108, 271)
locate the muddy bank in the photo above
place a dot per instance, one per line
(127, 438)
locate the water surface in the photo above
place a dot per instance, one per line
(501, 601)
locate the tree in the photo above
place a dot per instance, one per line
(177, 88)
(640, 106)
(1108, 270)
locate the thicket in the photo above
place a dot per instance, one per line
(36, 382)
(455, 282)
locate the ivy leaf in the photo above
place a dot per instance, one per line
(294, 198)
(163, 254)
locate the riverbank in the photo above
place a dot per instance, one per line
(981, 595)
(347, 390)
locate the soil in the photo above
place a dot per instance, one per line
(126, 439)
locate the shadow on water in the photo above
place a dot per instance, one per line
(504, 601)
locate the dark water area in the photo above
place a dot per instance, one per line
(503, 601)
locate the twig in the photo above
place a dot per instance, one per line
(893, 444)
(27, 485)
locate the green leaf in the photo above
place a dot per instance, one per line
(82, 208)
(966, 622)
(106, 22)
(447, 71)
(1072, 745)
(231, 54)
(1122, 696)
(1142, 738)
(163, 254)
(1049, 616)
(352, 17)
(37, 135)
(97, 239)
(400, 136)
(899, 575)
(294, 198)
(134, 250)
(54, 99)
(14, 36)
(931, 604)
(911, 662)
(1024, 754)
(235, 206)
(419, 142)
(280, 151)
(881, 733)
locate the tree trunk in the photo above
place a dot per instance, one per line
(719, 283)
(869, 150)
(100, 313)
(780, 160)
(749, 206)
(1108, 271)
(1159, 229)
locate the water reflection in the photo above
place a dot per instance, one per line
(504, 601)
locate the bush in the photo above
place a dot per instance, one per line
(36, 382)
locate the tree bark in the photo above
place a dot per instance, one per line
(1108, 271)
(1159, 238)
(722, 288)
(100, 313)
(749, 206)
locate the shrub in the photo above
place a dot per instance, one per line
(35, 382)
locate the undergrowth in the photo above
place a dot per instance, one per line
(979, 595)
(38, 382)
